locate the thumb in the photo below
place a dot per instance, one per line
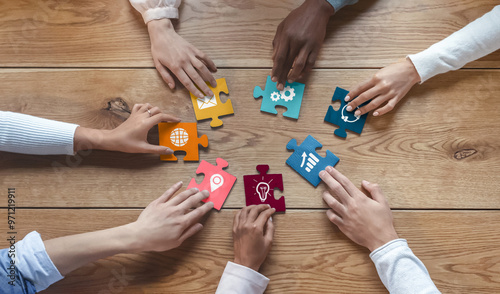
(156, 149)
(269, 235)
(375, 191)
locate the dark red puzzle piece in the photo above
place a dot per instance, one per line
(259, 189)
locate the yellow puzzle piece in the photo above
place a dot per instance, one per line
(211, 107)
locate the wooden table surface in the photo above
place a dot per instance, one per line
(436, 156)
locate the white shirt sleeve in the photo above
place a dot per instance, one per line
(479, 38)
(238, 279)
(34, 264)
(21, 133)
(339, 4)
(400, 270)
(157, 9)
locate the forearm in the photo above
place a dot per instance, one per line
(21, 133)
(400, 270)
(72, 252)
(477, 39)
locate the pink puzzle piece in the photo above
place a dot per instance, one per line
(259, 189)
(218, 182)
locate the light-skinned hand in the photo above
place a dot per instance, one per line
(167, 221)
(366, 221)
(130, 136)
(190, 65)
(298, 39)
(253, 232)
(388, 86)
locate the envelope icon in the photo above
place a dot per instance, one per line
(206, 102)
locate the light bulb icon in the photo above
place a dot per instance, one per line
(262, 190)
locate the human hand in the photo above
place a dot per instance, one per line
(167, 221)
(253, 232)
(171, 52)
(366, 221)
(390, 84)
(298, 40)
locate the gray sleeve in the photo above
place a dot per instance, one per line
(338, 4)
(21, 133)
(401, 271)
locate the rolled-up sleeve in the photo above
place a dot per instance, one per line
(339, 4)
(238, 279)
(157, 9)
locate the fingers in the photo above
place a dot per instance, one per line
(335, 187)
(136, 108)
(194, 216)
(310, 61)
(190, 231)
(372, 105)
(209, 63)
(155, 149)
(186, 81)
(283, 75)
(280, 59)
(144, 108)
(338, 207)
(165, 75)
(196, 78)
(298, 66)
(194, 200)
(375, 192)
(365, 96)
(155, 110)
(386, 108)
(343, 180)
(236, 221)
(255, 211)
(335, 219)
(162, 117)
(206, 75)
(361, 88)
(264, 216)
(169, 193)
(269, 234)
(183, 196)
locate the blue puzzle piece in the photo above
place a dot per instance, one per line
(346, 120)
(307, 162)
(290, 97)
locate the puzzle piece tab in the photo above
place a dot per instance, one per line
(181, 137)
(307, 162)
(290, 97)
(259, 189)
(346, 120)
(211, 107)
(218, 182)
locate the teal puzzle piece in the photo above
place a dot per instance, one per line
(290, 97)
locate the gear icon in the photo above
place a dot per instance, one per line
(275, 96)
(290, 91)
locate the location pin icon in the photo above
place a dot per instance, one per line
(215, 182)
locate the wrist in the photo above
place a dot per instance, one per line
(323, 6)
(382, 240)
(129, 240)
(413, 73)
(86, 138)
(160, 26)
(239, 261)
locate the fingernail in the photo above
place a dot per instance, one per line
(329, 168)
(168, 151)
(357, 112)
(322, 173)
(375, 113)
(365, 182)
(201, 95)
(290, 81)
(179, 183)
(271, 218)
(274, 79)
(210, 93)
(269, 206)
(348, 108)
(196, 189)
(171, 85)
(347, 98)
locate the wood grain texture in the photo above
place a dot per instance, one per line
(438, 149)
(47, 33)
(460, 256)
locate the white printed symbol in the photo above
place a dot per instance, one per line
(179, 137)
(262, 189)
(275, 96)
(288, 90)
(206, 102)
(215, 182)
(311, 161)
(346, 118)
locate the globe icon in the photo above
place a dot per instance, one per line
(179, 137)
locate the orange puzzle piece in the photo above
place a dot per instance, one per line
(211, 107)
(181, 137)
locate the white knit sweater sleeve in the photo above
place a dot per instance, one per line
(157, 9)
(479, 38)
(238, 279)
(401, 271)
(21, 133)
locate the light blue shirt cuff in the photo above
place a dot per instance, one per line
(338, 4)
(34, 264)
